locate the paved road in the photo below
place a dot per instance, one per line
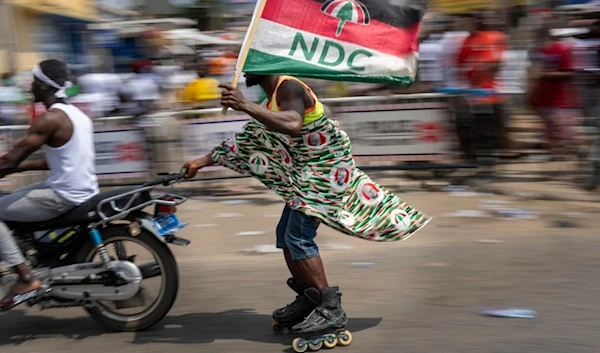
(417, 296)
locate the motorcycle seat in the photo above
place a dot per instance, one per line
(84, 213)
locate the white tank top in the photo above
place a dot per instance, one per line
(73, 165)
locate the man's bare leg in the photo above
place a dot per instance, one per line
(331, 318)
(312, 272)
(296, 311)
(307, 272)
(292, 267)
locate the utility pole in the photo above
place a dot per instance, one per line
(8, 41)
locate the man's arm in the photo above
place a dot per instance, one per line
(193, 166)
(41, 130)
(288, 120)
(28, 166)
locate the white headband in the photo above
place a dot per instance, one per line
(62, 90)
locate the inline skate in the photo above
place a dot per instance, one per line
(325, 326)
(306, 301)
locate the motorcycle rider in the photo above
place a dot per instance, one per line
(66, 135)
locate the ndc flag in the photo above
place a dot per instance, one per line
(372, 41)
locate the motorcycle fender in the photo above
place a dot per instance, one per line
(147, 225)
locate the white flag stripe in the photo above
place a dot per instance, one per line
(276, 39)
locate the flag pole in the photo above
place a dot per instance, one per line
(239, 66)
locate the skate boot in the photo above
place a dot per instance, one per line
(295, 312)
(325, 326)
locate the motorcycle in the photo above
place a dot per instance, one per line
(70, 255)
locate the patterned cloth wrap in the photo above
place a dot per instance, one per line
(315, 173)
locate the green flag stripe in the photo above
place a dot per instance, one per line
(261, 63)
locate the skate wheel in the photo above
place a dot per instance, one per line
(315, 347)
(299, 346)
(330, 342)
(277, 327)
(345, 338)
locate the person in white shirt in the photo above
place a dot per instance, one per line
(430, 56)
(66, 135)
(142, 88)
(99, 94)
(451, 43)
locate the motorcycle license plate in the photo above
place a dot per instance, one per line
(168, 224)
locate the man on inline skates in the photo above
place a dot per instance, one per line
(66, 135)
(295, 150)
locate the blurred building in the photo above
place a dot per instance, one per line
(106, 46)
(33, 30)
(571, 2)
(238, 12)
(206, 13)
(166, 7)
(117, 10)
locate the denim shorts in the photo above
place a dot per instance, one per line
(296, 232)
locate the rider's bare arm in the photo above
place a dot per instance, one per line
(40, 132)
(35, 165)
(290, 97)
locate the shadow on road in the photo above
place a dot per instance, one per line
(242, 324)
(17, 328)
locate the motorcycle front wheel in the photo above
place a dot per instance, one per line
(163, 265)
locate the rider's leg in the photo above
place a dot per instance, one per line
(34, 203)
(12, 256)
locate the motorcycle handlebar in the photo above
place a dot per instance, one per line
(167, 179)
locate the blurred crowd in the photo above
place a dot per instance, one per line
(545, 62)
(177, 84)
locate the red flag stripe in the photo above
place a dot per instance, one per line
(359, 12)
(306, 15)
(332, 6)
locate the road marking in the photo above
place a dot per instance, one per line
(228, 215)
(257, 232)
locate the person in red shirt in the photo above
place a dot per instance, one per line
(554, 95)
(481, 57)
(481, 123)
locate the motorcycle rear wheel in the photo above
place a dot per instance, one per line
(169, 287)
